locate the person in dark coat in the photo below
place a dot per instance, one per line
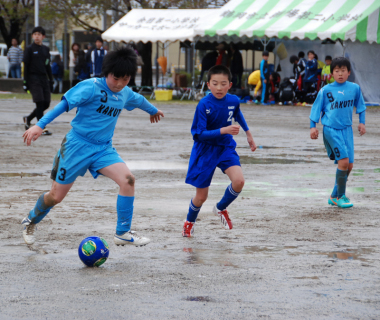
(236, 66)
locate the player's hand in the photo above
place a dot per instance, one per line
(156, 117)
(251, 143)
(32, 134)
(232, 129)
(314, 133)
(361, 129)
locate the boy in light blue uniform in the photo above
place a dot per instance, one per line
(88, 145)
(335, 103)
(214, 146)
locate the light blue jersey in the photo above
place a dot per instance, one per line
(335, 103)
(98, 108)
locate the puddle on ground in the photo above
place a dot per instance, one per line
(156, 165)
(19, 174)
(209, 257)
(253, 160)
(313, 149)
(255, 249)
(351, 254)
(200, 299)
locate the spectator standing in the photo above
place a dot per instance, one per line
(74, 52)
(15, 56)
(36, 70)
(208, 61)
(97, 57)
(301, 56)
(299, 67)
(236, 66)
(82, 69)
(327, 76)
(311, 77)
(223, 58)
(264, 75)
(57, 71)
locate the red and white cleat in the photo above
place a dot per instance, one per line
(188, 229)
(224, 218)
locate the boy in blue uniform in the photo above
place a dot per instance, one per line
(88, 145)
(214, 146)
(335, 102)
(264, 75)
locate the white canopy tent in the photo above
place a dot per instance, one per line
(157, 25)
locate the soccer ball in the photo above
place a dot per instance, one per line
(93, 251)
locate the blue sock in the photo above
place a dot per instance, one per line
(334, 193)
(341, 180)
(229, 196)
(124, 209)
(193, 212)
(39, 211)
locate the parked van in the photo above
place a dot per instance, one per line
(4, 63)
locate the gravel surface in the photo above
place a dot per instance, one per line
(289, 256)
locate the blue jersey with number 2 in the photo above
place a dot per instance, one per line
(212, 114)
(335, 103)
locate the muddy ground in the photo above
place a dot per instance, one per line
(289, 256)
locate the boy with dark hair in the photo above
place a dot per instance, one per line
(88, 145)
(311, 77)
(335, 103)
(299, 67)
(327, 77)
(36, 70)
(212, 131)
(264, 75)
(97, 57)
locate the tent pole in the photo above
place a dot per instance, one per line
(156, 63)
(193, 75)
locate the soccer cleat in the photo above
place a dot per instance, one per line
(28, 232)
(344, 202)
(130, 237)
(333, 201)
(224, 218)
(188, 229)
(46, 132)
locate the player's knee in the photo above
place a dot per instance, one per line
(238, 184)
(54, 199)
(131, 180)
(343, 164)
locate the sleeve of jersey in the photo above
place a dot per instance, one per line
(80, 94)
(52, 114)
(316, 109)
(359, 102)
(200, 122)
(138, 101)
(241, 120)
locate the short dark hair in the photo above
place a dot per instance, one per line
(328, 58)
(340, 62)
(293, 59)
(121, 62)
(99, 39)
(39, 29)
(311, 51)
(265, 53)
(219, 69)
(301, 54)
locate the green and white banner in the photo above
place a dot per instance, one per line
(302, 19)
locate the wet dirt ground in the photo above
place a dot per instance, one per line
(289, 256)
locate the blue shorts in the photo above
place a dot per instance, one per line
(339, 143)
(205, 159)
(77, 155)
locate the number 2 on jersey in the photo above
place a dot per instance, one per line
(230, 114)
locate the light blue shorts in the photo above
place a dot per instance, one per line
(339, 143)
(77, 155)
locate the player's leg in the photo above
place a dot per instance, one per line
(233, 190)
(263, 91)
(44, 204)
(120, 173)
(194, 208)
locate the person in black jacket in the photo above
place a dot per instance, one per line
(37, 70)
(236, 66)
